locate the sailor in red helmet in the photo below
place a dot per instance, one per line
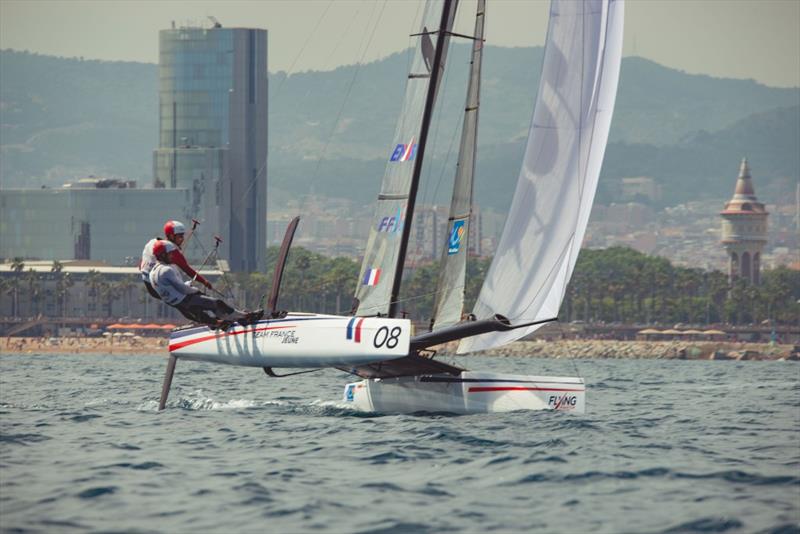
(167, 281)
(175, 231)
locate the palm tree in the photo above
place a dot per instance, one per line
(125, 287)
(339, 279)
(17, 265)
(5, 288)
(34, 291)
(63, 284)
(95, 280)
(109, 292)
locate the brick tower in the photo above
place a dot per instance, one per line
(744, 229)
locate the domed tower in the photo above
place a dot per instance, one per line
(744, 229)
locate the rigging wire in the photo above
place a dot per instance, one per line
(263, 167)
(435, 137)
(341, 39)
(303, 48)
(410, 54)
(349, 89)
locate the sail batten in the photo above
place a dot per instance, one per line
(558, 179)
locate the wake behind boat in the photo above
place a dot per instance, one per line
(534, 261)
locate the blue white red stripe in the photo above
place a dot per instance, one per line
(354, 329)
(371, 277)
(407, 154)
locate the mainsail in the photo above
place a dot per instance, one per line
(566, 143)
(449, 303)
(379, 271)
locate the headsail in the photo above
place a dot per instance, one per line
(449, 303)
(383, 253)
(566, 143)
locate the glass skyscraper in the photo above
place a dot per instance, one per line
(213, 134)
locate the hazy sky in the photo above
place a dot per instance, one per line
(757, 39)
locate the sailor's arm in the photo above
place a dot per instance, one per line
(177, 258)
(180, 286)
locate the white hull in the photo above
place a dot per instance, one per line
(297, 340)
(470, 392)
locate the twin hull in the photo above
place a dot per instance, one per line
(470, 392)
(311, 340)
(297, 340)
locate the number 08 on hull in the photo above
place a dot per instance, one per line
(297, 340)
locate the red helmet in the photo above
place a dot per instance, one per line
(173, 228)
(161, 250)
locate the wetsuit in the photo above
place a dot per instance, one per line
(175, 258)
(166, 280)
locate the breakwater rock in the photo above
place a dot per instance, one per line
(614, 349)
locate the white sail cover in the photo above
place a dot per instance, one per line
(382, 252)
(566, 143)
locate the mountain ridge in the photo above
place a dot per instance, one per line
(62, 118)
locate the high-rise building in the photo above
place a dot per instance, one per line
(213, 134)
(744, 229)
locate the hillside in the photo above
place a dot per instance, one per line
(61, 118)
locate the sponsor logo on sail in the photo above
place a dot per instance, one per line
(392, 224)
(454, 244)
(404, 152)
(354, 329)
(372, 277)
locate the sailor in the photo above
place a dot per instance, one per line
(174, 230)
(166, 280)
(149, 261)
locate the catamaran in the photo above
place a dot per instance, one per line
(535, 257)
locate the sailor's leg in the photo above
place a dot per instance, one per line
(191, 314)
(223, 308)
(203, 309)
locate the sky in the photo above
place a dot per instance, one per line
(757, 39)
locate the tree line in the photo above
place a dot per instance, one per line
(616, 284)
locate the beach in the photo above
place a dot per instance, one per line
(84, 345)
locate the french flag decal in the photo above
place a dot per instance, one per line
(371, 277)
(354, 329)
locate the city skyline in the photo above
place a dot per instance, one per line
(735, 39)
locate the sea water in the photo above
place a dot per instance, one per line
(684, 446)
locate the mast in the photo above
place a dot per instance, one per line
(423, 138)
(449, 302)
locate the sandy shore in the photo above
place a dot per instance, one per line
(83, 345)
(537, 349)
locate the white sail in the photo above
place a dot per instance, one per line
(449, 302)
(555, 190)
(383, 247)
